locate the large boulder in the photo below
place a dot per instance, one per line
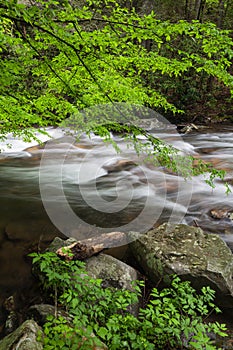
(23, 338)
(194, 255)
(112, 271)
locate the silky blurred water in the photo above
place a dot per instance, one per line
(91, 166)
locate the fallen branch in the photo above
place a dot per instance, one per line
(84, 249)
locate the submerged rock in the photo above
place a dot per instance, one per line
(31, 230)
(120, 165)
(194, 255)
(222, 213)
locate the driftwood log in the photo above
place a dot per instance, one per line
(85, 248)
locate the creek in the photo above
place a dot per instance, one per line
(87, 188)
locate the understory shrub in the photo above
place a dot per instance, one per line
(173, 318)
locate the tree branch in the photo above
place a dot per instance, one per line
(58, 38)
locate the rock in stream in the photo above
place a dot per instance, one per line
(192, 254)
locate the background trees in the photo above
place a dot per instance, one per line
(216, 11)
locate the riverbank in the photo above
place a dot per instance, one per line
(118, 274)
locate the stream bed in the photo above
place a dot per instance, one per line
(82, 188)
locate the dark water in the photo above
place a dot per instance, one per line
(103, 191)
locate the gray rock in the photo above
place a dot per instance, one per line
(23, 338)
(58, 243)
(40, 312)
(202, 258)
(113, 272)
(221, 213)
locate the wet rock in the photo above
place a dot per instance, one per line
(119, 165)
(155, 124)
(196, 161)
(35, 149)
(221, 213)
(83, 145)
(202, 258)
(171, 186)
(220, 163)
(23, 338)
(208, 150)
(189, 128)
(31, 230)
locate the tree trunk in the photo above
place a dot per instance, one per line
(221, 12)
(199, 9)
(187, 10)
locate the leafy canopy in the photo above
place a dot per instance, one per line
(58, 57)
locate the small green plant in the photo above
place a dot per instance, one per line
(172, 319)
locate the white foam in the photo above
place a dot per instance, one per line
(14, 144)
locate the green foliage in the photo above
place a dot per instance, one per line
(172, 319)
(60, 57)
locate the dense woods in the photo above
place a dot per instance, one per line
(58, 57)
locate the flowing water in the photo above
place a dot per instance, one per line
(103, 191)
